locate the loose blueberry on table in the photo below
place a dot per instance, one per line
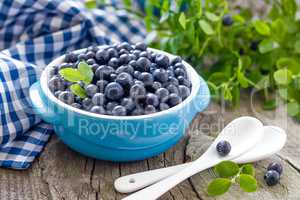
(223, 148)
(274, 171)
(121, 80)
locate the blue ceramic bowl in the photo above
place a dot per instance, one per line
(118, 138)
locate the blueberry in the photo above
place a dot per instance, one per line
(65, 65)
(143, 64)
(180, 72)
(124, 79)
(114, 91)
(125, 68)
(144, 54)
(153, 67)
(272, 177)
(138, 111)
(94, 67)
(275, 166)
(184, 91)
(81, 57)
(162, 60)
(55, 84)
(146, 78)
(66, 97)
(113, 62)
(174, 99)
(160, 75)
(112, 52)
(227, 20)
(101, 85)
(133, 63)
(98, 110)
(173, 89)
(102, 56)
(173, 80)
(141, 46)
(184, 81)
(163, 106)
(152, 99)
(119, 111)
(90, 54)
(90, 61)
(254, 45)
(176, 60)
(137, 90)
(111, 105)
(113, 77)
(139, 82)
(132, 57)
(123, 51)
(70, 58)
(162, 93)
(76, 105)
(136, 53)
(78, 100)
(156, 85)
(149, 109)
(223, 148)
(170, 73)
(128, 103)
(136, 74)
(104, 71)
(57, 93)
(87, 104)
(124, 45)
(99, 99)
(91, 90)
(124, 59)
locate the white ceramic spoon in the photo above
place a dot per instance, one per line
(242, 133)
(272, 142)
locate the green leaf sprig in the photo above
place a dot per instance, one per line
(83, 73)
(230, 173)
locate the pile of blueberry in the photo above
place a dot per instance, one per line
(273, 174)
(128, 80)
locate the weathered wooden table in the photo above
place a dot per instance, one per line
(60, 173)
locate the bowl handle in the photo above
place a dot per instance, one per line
(203, 96)
(40, 107)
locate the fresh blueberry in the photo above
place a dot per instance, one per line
(141, 46)
(87, 104)
(101, 85)
(125, 68)
(174, 99)
(160, 75)
(102, 56)
(114, 91)
(170, 73)
(173, 80)
(275, 166)
(227, 20)
(78, 100)
(90, 54)
(153, 67)
(104, 72)
(128, 103)
(124, 59)
(90, 61)
(138, 111)
(136, 53)
(162, 60)
(94, 67)
(149, 109)
(143, 64)
(272, 177)
(119, 111)
(146, 78)
(180, 72)
(184, 81)
(55, 84)
(179, 65)
(113, 62)
(112, 52)
(152, 99)
(124, 79)
(98, 110)
(163, 106)
(70, 58)
(76, 105)
(133, 63)
(111, 105)
(144, 54)
(176, 60)
(57, 93)
(99, 99)
(136, 74)
(184, 91)
(123, 51)
(156, 85)
(173, 89)
(113, 77)
(124, 45)
(223, 148)
(162, 93)
(66, 97)
(81, 57)
(91, 90)
(139, 82)
(137, 90)
(132, 57)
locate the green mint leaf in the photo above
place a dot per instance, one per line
(71, 74)
(289, 63)
(293, 108)
(78, 90)
(289, 7)
(182, 20)
(270, 104)
(86, 72)
(261, 27)
(297, 46)
(90, 4)
(247, 183)
(283, 76)
(218, 186)
(279, 29)
(267, 45)
(227, 169)
(206, 27)
(218, 78)
(212, 17)
(248, 169)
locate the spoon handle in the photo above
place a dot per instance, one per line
(137, 181)
(156, 190)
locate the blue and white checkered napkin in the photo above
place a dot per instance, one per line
(32, 33)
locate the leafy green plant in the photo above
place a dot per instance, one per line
(230, 173)
(83, 73)
(252, 52)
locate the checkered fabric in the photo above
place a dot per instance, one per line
(32, 33)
